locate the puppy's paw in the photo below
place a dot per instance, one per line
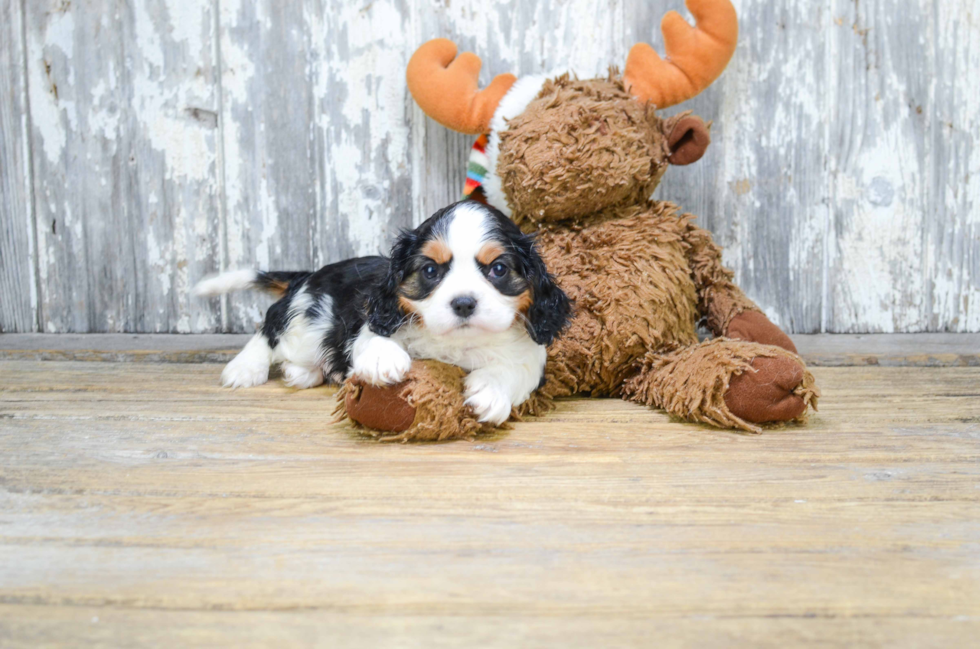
(244, 372)
(298, 376)
(490, 404)
(382, 362)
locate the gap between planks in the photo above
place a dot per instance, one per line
(818, 350)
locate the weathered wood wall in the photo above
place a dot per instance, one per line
(146, 143)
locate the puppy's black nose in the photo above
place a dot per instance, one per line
(463, 306)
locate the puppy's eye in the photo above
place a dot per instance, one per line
(429, 271)
(498, 270)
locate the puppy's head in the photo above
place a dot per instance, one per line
(469, 270)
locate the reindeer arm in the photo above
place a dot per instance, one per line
(725, 308)
(719, 299)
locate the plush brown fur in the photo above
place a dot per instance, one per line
(579, 147)
(691, 382)
(435, 392)
(577, 167)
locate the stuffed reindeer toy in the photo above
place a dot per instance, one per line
(575, 162)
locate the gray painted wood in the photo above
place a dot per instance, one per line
(843, 180)
(760, 189)
(18, 287)
(903, 168)
(316, 134)
(124, 116)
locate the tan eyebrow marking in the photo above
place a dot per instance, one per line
(438, 251)
(490, 251)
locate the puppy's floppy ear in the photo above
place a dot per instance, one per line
(550, 309)
(385, 314)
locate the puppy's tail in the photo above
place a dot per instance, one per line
(274, 282)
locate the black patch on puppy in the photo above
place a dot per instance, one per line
(349, 284)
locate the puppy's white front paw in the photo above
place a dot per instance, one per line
(250, 367)
(382, 362)
(489, 403)
(298, 376)
(244, 373)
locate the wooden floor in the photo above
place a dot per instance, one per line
(141, 505)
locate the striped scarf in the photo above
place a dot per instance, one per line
(476, 171)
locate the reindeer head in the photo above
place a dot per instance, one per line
(561, 148)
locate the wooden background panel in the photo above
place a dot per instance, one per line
(316, 134)
(761, 187)
(952, 233)
(267, 118)
(173, 139)
(882, 165)
(18, 287)
(124, 122)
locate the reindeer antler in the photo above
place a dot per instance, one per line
(696, 56)
(448, 91)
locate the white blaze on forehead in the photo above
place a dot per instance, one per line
(469, 229)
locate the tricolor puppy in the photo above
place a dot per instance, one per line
(309, 331)
(466, 287)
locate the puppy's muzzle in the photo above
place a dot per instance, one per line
(463, 306)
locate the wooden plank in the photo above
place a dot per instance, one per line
(130, 348)
(123, 110)
(316, 136)
(34, 626)
(270, 164)
(894, 350)
(818, 350)
(326, 155)
(18, 284)
(879, 166)
(905, 244)
(144, 505)
(952, 224)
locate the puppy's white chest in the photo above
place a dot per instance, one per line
(470, 352)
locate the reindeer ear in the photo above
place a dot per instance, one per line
(688, 139)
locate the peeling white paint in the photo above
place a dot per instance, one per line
(841, 206)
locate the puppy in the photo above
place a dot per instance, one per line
(310, 329)
(468, 288)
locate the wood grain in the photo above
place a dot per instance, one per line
(18, 283)
(124, 116)
(818, 350)
(142, 504)
(173, 139)
(903, 245)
